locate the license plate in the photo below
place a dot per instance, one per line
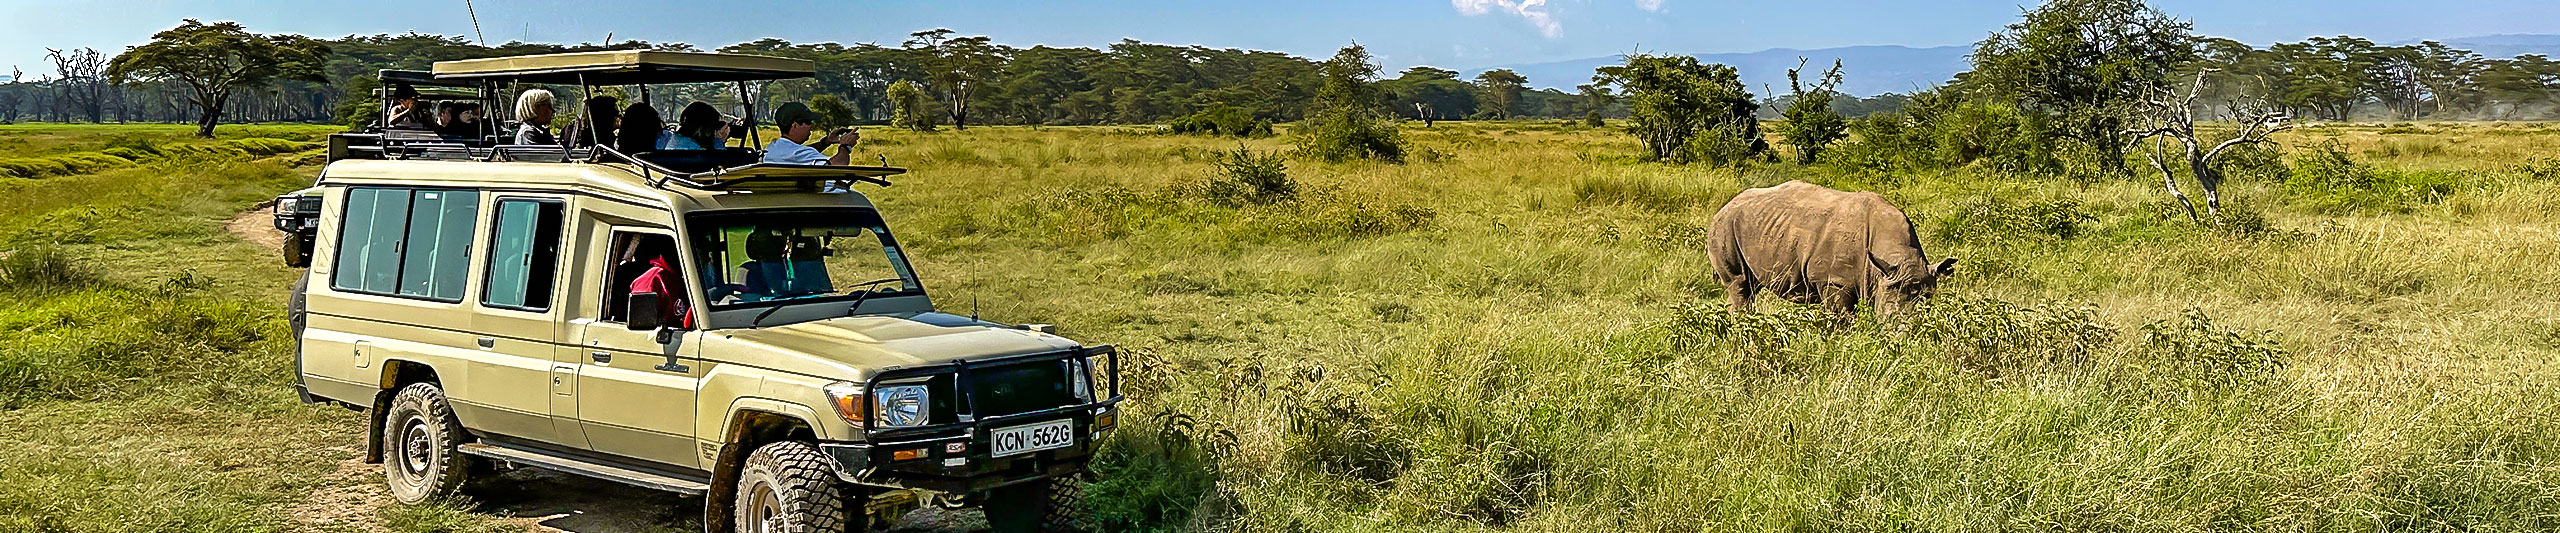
(1026, 439)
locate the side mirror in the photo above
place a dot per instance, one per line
(647, 312)
(297, 251)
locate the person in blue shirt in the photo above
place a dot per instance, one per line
(797, 125)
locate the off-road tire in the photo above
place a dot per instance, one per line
(789, 487)
(1045, 506)
(420, 437)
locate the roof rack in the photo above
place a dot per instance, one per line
(753, 177)
(626, 67)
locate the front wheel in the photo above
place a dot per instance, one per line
(1046, 506)
(786, 487)
(420, 438)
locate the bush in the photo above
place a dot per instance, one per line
(1245, 177)
(1758, 339)
(1725, 144)
(2332, 182)
(2202, 353)
(1991, 219)
(1994, 338)
(45, 268)
(1221, 119)
(1345, 135)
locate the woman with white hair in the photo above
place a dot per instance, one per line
(534, 109)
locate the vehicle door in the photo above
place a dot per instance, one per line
(635, 388)
(517, 324)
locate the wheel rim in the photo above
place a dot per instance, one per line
(416, 448)
(764, 510)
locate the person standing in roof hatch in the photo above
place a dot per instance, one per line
(797, 125)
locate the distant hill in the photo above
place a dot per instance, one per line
(1865, 70)
(2503, 46)
(1872, 70)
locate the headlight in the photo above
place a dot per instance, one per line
(287, 204)
(901, 406)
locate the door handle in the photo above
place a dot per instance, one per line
(488, 342)
(601, 357)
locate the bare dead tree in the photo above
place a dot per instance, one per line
(1423, 111)
(84, 82)
(2169, 116)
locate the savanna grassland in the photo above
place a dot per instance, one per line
(1512, 331)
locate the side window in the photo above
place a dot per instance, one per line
(369, 242)
(406, 242)
(523, 253)
(437, 251)
(634, 254)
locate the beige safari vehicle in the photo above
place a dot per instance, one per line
(691, 321)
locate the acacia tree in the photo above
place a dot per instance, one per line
(81, 75)
(1345, 121)
(2087, 64)
(2168, 116)
(1501, 88)
(957, 68)
(218, 60)
(1684, 110)
(1811, 123)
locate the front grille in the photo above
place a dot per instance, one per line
(1021, 388)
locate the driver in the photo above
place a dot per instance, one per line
(660, 279)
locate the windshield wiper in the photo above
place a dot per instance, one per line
(758, 322)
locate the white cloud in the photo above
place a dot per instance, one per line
(1649, 5)
(1534, 11)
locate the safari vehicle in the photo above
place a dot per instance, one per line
(695, 321)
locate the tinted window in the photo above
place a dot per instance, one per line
(438, 248)
(522, 253)
(406, 242)
(369, 243)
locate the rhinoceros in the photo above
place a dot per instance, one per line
(1811, 244)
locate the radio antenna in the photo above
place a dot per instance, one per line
(475, 22)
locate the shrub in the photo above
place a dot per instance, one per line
(1157, 481)
(1991, 219)
(1758, 339)
(1221, 119)
(2202, 353)
(1725, 144)
(45, 268)
(1345, 135)
(1245, 177)
(1995, 338)
(2331, 181)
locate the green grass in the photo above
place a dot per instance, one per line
(1522, 336)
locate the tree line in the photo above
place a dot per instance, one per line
(949, 79)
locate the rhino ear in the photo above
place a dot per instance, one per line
(1946, 267)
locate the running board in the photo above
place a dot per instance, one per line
(520, 456)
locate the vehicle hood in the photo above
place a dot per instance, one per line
(864, 345)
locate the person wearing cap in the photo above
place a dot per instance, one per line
(405, 111)
(797, 125)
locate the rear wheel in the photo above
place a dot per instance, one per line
(1046, 506)
(788, 487)
(420, 436)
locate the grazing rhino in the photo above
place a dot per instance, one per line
(1810, 244)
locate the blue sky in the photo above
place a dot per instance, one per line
(1458, 34)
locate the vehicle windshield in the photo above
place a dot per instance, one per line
(766, 258)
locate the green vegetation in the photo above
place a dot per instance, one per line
(1520, 336)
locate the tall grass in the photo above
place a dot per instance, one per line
(1523, 336)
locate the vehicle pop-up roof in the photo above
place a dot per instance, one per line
(717, 169)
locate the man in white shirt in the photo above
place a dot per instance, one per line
(797, 124)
